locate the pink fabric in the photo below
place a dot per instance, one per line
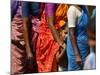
(17, 55)
(50, 8)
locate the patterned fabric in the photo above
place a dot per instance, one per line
(61, 15)
(81, 37)
(18, 53)
(42, 39)
(46, 48)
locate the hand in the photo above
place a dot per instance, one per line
(30, 58)
(63, 46)
(29, 52)
(79, 61)
(57, 58)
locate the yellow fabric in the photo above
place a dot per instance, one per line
(61, 22)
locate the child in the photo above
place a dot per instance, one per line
(61, 56)
(90, 62)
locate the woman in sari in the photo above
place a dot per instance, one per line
(47, 47)
(23, 55)
(17, 43)
(77, 42)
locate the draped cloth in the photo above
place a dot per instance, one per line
(82, 42)
(19, 63)
(61, 15)
(18, 54)
(46, 46)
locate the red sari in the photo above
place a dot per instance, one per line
(46, 48)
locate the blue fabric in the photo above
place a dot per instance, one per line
(30, 8)
(81, 37)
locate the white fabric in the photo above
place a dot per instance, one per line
(90, 62)
(73, 14)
